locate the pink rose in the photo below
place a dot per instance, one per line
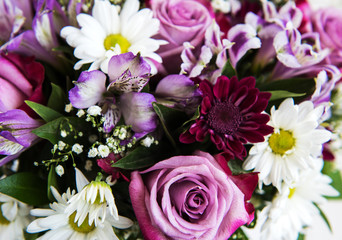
(181, 21)
(327, 22)
(191, 197)
(21, 79)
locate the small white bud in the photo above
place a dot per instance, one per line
(94, 110)
(77, 148)
(92, 152)
(80, 113)
(147, 141)
(59, 170)
(61, 145)
(64, 133)
(68, 108)
(103, 151)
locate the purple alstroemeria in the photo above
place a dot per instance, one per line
(214, 47)
(42, 38)
(272, 22)
(294, 52)
(178, 91)
(244, 37)
(16, 133)
(128, 74)
(14, 15)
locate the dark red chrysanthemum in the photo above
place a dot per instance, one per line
(230, 113)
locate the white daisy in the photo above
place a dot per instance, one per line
(14, 217)
(109, 32)
(62, 224)
(293, 209)
(295, 144)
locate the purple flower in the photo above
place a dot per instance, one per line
(231, 115)
(128, 74)
(178, 91)
(15, 133)
(14, 15)
(327, 22)
(190, 197)
(180, 21)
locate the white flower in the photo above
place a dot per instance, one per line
(59, 170)
(103, 151)
(14, 217)
(94, 110)
(61, 145)
(92, 152)
(295, 144)
(68, 108)
(77, 148)
(61, 224)
(80, 113)
(107, 33)
(64, 133)
(93, 202)
(293, 208)
(147, 141)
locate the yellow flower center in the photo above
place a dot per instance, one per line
(113, 39)
(84, 227)
(281, 142)
(3, 220)
(292, 191)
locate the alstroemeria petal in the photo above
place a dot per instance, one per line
(137, 111)
(88, 90)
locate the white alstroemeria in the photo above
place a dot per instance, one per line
(294, 208)
(108, 32)
(295, 144)
(14, 217)
(65, 221)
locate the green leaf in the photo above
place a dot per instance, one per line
(57, 99)
(228, 70)
(141, 157)
(293, 85)
(279, 94)
(324, 217)
(51, 130)
(46, 113)
(52, 181)
(164, 114)
(26, 187)
(301, 237)
(336, 177)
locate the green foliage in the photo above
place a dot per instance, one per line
(57, 99)
(228, 70)
(46, 113)
(330, 170)
(26, 187)
(279, 94)
(142, 157)
(324, 217)
(52, 181)
(168, 117)
(51, 130)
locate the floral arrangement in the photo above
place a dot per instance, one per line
(168, 119)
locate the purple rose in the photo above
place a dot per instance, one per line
(191, 197)
(327, 22)
(181, 21)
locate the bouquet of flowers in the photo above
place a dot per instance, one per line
(168, 119)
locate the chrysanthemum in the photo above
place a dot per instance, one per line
(294, 145)
(109, 32)
(74, 217)
(293, 209)
(14, 217)
(230, 114)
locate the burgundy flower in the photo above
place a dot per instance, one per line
(230, 113)
(106, 165)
